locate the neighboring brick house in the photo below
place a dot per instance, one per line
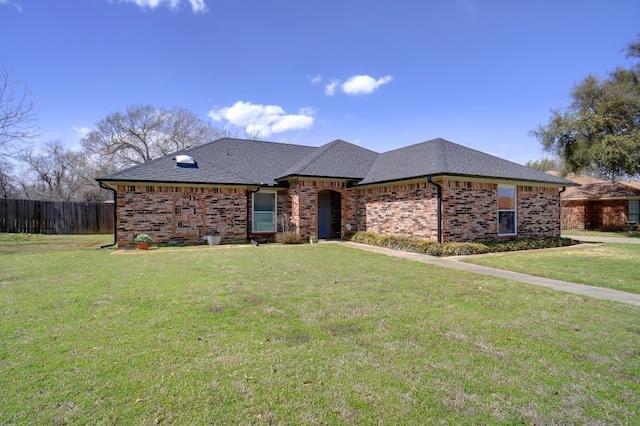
(600, 204)
(247, 189)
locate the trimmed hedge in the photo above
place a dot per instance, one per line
(432, 248)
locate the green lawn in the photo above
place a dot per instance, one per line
(313, 334)
(613, 234)
(614, 266)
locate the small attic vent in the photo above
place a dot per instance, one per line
(185, 161)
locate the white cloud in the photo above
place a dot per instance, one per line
(196, 5)
(363, 84)
(8, 3)
(316, 80)
(355, 85)
(330, 88)
(263, 119)
(81, 132)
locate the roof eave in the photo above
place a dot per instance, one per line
(185, 183)
(443, 175)
(297, 176)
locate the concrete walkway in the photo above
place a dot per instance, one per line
(616, 240)
(454, 262)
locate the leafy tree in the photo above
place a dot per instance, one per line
(599, 132)
(17, 116)
(144, 132)
(546, 164)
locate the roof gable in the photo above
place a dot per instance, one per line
(439, 156)
(338, 159)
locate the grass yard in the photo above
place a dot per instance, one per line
(313, 334)
(612, 234)
(615, 266)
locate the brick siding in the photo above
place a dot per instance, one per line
(470, 210)
(408, 209)
(595, 214)
(183, 215)
(538, 211)
(180, 215)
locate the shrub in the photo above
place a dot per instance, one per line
(527, 243)
(288, 237)
(432, 248)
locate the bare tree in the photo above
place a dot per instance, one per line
(8, 184)
(17, 116)
(57, 173)
(145, 132)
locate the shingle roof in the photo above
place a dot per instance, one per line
(601, 190)
(441, 157)
(250, 162)
(335, 159)
(224, 161)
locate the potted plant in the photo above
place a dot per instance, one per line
(213, 238)
(313, 239)
(143, 241)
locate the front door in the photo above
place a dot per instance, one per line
(324, 215)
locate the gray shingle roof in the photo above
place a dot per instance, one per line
(441, 157)
(224, 161)
(335, 159)
(250, 162)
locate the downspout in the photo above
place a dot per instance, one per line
(439, 206)
(115, 217)
(564, 188)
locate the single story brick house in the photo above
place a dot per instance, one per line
(248, 189)
(601, 204)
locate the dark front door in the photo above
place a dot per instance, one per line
(324, 215)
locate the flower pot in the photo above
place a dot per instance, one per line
(143, 246)
(214, 239)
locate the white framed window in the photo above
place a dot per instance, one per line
(634, 211)
(507, 210)
(264, 211)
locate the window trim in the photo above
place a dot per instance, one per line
(634, 210)
(514, 210)
(275, 212)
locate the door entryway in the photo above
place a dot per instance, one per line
(329, 214)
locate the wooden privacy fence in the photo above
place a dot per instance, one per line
(55, 217)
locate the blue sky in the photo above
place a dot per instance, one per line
(379, 73)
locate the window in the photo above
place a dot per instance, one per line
(506, 210)
(634, 211)
(264, 212)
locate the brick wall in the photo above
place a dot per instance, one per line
(595, 214)
(615, 214)
(573, 214)
(408, 209)
(303, 196)
(183, 215)
(606, 214)
(180, 215)
(470, 210)
(538, 211)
